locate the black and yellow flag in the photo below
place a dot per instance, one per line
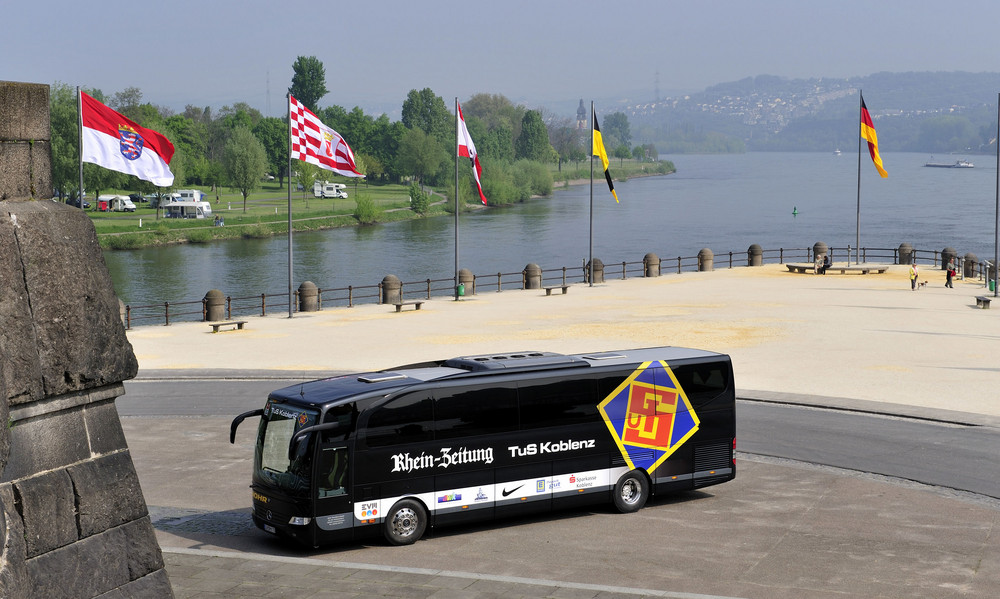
(599, 150)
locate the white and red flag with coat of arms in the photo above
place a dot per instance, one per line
(116, 142)
(315, 143)
(467, 149)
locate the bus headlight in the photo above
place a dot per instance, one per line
(299, 521)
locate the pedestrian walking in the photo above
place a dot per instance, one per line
(951, 274)
(913, 276)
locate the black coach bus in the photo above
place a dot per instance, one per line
(480, 437)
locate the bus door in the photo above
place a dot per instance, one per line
(333, 505)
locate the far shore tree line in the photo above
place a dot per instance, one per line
(237, 147)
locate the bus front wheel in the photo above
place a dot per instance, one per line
(405, 522)
(631, 492)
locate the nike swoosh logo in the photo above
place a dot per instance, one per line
(506, 492)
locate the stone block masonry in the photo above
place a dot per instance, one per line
(73, 521)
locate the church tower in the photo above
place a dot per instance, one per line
(581, 116)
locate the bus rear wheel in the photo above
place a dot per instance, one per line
(405, 522)
(631, 492)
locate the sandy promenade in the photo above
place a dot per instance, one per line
(854, 337)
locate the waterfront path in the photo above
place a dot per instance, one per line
(778, 530)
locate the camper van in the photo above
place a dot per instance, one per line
(325, 189)
(115, 203)
(190, 195)
(176, 205)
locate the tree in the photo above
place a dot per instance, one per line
(245, 161)
(273, 135)
(65, 139)
(533, 143)
(565, 139)
(127, 102)
(615, 130)
(309, 81)
(420, 155)
(424, 110)
(308, 174)
(621, 152)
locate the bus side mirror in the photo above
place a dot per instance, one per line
(238, 420)
(298, 437)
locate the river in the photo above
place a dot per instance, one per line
(721, 202)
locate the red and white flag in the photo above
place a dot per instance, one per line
(315, 143)
(467, 149)
(115, 142)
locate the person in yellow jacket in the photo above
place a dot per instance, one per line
(913, 276)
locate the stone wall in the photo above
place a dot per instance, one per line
(73, 521)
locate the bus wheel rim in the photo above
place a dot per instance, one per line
(404, 522)
(630, 491)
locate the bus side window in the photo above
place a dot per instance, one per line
(557, 402)
(332, 471)
(481, 410)
(405, 419)
(702, 383)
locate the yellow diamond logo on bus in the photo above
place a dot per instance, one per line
(649, 416)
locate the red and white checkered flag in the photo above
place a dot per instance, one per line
(315, 143)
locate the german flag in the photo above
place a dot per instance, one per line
(599, 150)
(868, 134)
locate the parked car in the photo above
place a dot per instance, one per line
(76, 202)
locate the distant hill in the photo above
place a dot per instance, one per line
(933, 112)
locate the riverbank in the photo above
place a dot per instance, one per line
(257, 226)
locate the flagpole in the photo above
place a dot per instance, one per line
(857, 229)
(996, 224)
(457, 144)
(79, 129)
(590, 251)
(288, 103)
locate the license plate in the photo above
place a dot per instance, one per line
(270, 529)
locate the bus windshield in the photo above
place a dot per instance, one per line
(271, 465)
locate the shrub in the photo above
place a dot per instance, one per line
(129, 241)
(365, 209)
(419, 202)
(200, 236)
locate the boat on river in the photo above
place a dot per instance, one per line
(956, 164)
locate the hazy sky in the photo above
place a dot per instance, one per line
(540, 53)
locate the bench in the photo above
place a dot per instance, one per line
(843, 269)
(399, 305)
(800, 267)
(550, 289)
(233, 323)
(983, 301)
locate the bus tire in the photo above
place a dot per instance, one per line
(405, 523)
(631, 492)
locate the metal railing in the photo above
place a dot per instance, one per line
(352, 295)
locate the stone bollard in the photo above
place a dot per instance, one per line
(532, 274)
(467, 280)
(947, 254)
(651, 264)
(392, 290)
(598, 271)
(706, 260)
(215, 305)
(905, 253)
(969, 266)
(308, 297)
(755, 255)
